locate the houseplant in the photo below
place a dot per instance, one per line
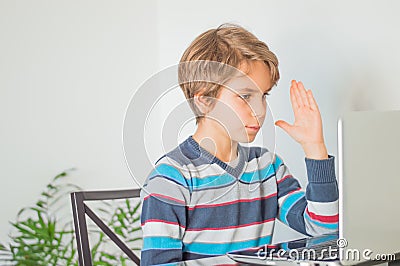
(43, 233)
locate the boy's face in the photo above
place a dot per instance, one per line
(240, 107)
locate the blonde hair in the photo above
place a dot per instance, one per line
(230, 45)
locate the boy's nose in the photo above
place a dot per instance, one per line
(258, 110)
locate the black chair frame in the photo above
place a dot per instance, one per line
(80, 210)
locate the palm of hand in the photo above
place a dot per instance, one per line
(307, 127)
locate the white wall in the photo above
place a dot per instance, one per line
(68, 70)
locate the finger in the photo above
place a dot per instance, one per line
(303, 94)
(297, 94)
(284, 125)
(293, 100)
(313, 103)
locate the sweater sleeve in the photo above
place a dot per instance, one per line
(314, 211)
(163, 216)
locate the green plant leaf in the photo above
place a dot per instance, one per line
(136, 219)
(42, 238)
(119, 231)
(133, 239)
(135, 229)
(128, 204)
(3, 248)
(108, 256)
(51, 187)
(40, 203)
(135, 210)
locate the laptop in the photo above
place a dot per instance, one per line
(369, 200)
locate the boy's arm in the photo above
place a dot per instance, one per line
(314, 211)
(163, 216)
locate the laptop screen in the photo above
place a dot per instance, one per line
(369, 160)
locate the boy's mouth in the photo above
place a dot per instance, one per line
(253, 128)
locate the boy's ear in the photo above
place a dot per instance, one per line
(203, 103)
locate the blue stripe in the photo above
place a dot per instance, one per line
(295, 217)
(258, 175)
(161, 242)
(324, 225)
(278, 162)
(322, 192)
(240, 213)
(223, 248)
(214, 181)
(161, 209)
(287, 185)
(288, 203)
(159, 256)
(213, 216)
(195, 256)
(170, 173)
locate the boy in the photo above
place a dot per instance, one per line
(211, 195)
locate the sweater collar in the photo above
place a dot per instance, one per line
(208, 158)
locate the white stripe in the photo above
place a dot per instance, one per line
(316, 230)
(282, 172)
(260, 162)
(324, 208)
(162, 229)
(166, 187)
(205, 170)
(230, 235)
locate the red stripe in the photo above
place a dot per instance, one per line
(282, 179)
(163, 196)
(322, 218)
(232, 202)
(161, 221)
(230, 227)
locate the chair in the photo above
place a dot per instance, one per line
(79, 209)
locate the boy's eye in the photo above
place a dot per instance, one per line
(245, 96)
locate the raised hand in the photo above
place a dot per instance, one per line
(307, 127)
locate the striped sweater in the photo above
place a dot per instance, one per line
(195, 205)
